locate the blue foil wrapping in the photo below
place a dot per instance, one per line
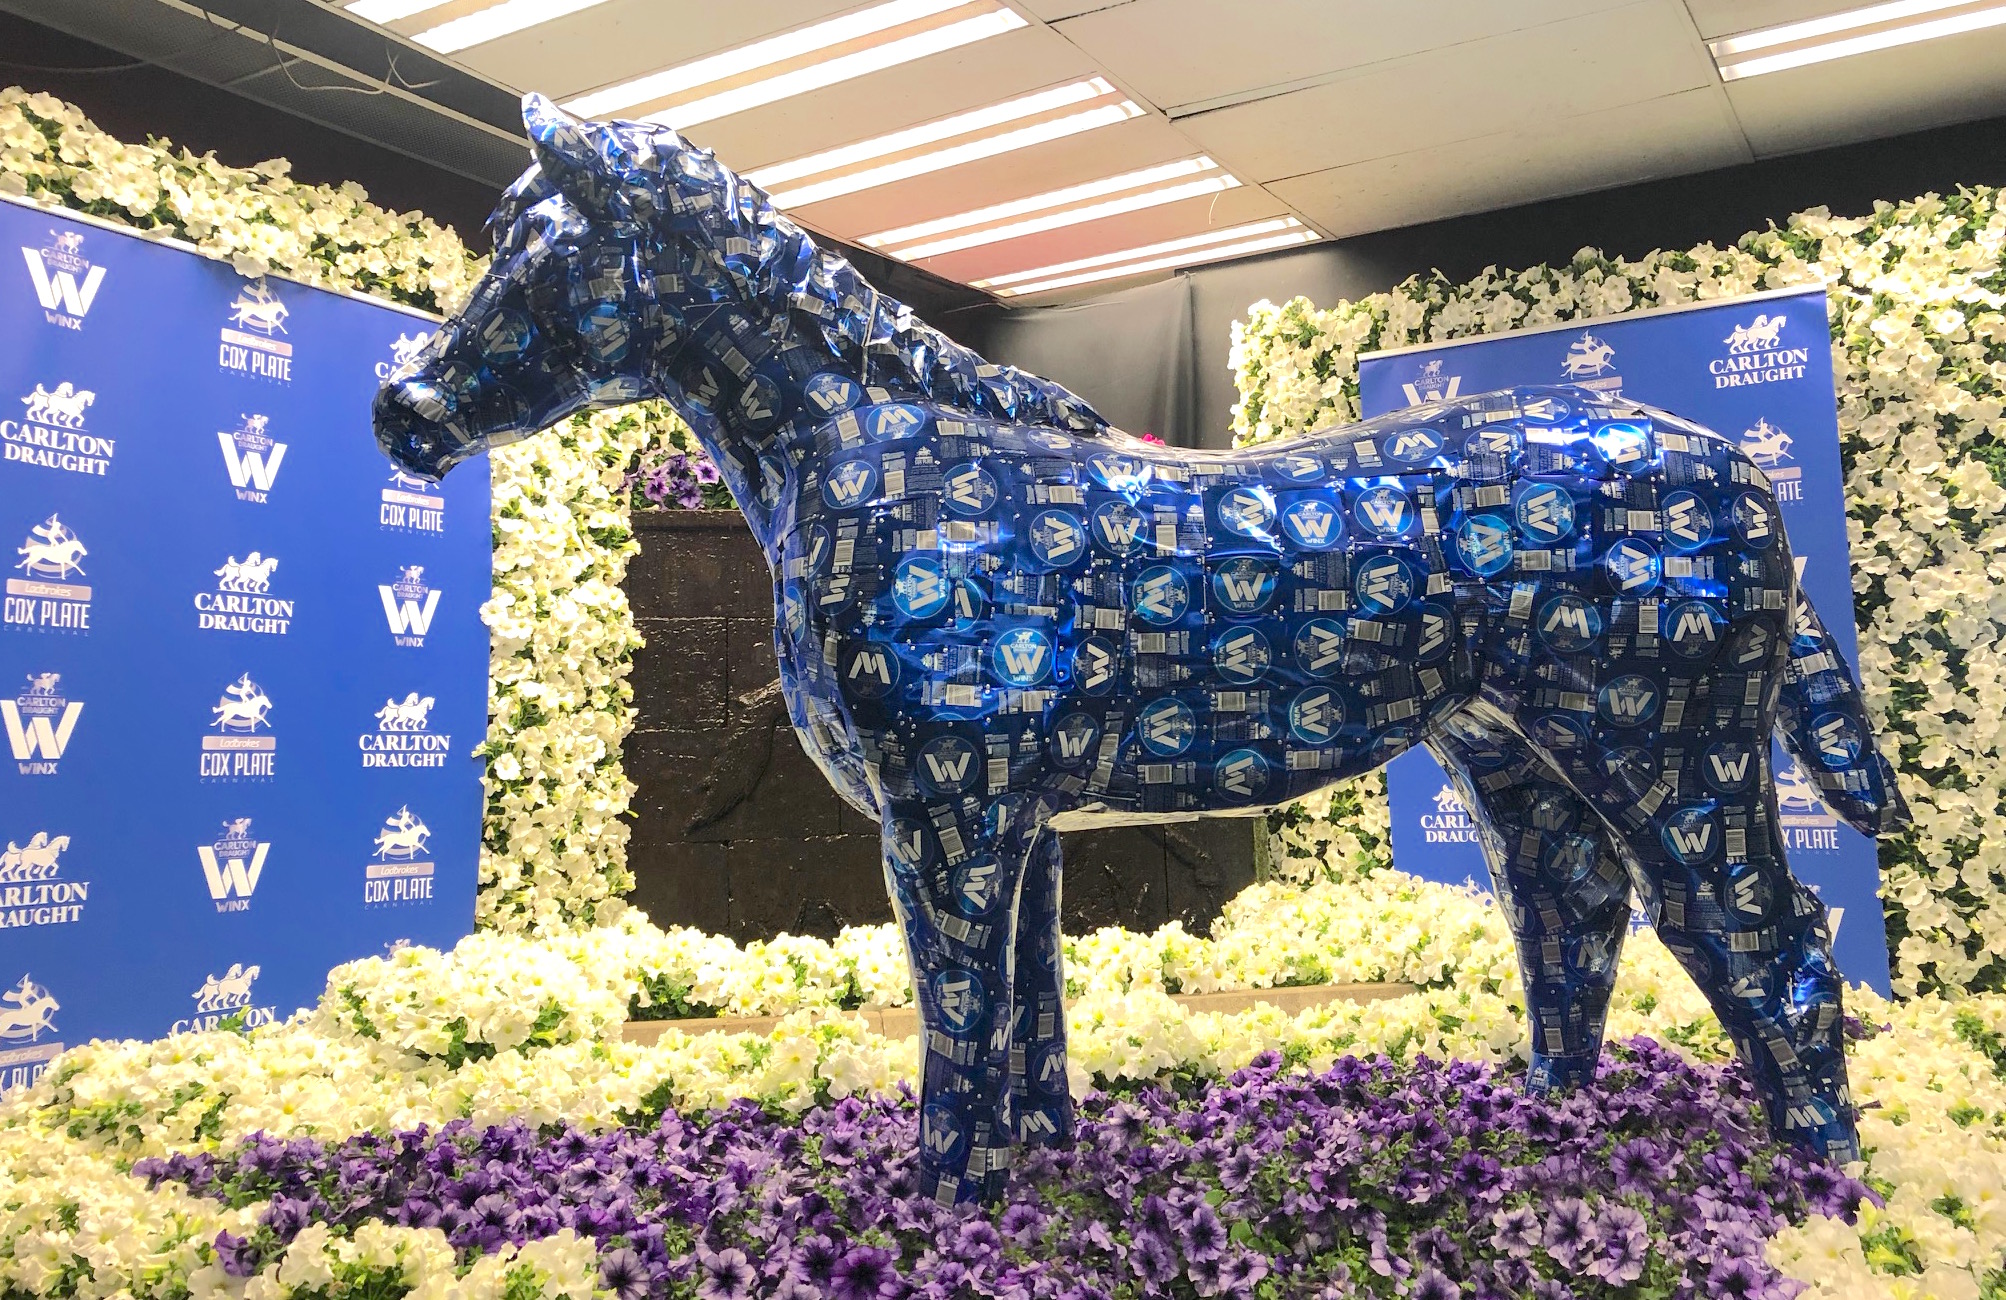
(997, 618)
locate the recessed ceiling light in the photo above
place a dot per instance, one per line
(1225, 235)
(719, 71)
(1040, 202)
(837, 171)
(1244, 248)
(495, 22)
(1857, 31)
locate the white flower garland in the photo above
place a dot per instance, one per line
(1919, 351)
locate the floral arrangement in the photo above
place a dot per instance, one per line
(676, 474)
(1657, 1175)
(84, 1212)
(554, 846)
(1918, 302)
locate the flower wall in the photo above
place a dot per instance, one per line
(562, 637)
(1919, 352)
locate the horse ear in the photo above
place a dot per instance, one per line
(562, 144)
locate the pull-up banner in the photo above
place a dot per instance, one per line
(1757, 370)
(242, 665)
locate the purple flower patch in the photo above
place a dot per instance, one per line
(1430, 1181)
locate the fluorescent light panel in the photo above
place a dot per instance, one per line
(989, 145)
(1229, 234)
(1070, 217)
(789, 47)
(1040, 202)
(1876, 27)
(495, 22)
(390, 11)
(1243, 249)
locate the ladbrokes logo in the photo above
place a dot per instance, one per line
(243, 747)
(1450, 822)
(51, 433)
(43, 598)
(66, 283)
(27, 1033)
(242, 601)
(32, 892)
(1758, 353)
(412, 504)
(404, 354)
(408, 606)
(250, 343)
(400, 873)
(224, 996)
(40, 722)
(251, 457)
(232, 864)
(403, 736)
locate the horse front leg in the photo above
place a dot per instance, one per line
(954, 880)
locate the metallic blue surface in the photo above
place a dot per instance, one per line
(997, 615)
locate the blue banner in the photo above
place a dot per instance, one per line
(242, 667)
(1757, 370)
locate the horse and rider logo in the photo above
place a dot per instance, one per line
(62, 409)
(407, 715)
(230, 991)
(1759, 335)
(252, 574)
(51, 551)
(404, 354)
(27, 1011)
(403, 836)
(243, 709)
(256, 307)
(1587, 357)
(38, 859)
(1765, 444)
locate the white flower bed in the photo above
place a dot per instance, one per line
(1919, 351)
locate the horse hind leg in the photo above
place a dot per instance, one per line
(1041, 1103)
(1561, 885)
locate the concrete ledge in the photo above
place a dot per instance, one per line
(903, 1022)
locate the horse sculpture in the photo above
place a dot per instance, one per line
(999, 618)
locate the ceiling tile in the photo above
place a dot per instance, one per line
(1510, 82)
(1672, 136)
(622, 39)
(1867, 96)
(1186, 52)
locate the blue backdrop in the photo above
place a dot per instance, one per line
(1755, 369)
(242, 667)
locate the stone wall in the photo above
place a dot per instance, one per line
(736, 832)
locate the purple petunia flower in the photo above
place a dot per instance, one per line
(1433, 1284)
(1622, 1240)
(623, 1273)
(726, 1274)
(864, 1274)
(1568, 1231)
(1636, 1164)
(1203, 1235)
(1517, 1231)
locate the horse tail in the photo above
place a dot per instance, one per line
(1823, 719)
